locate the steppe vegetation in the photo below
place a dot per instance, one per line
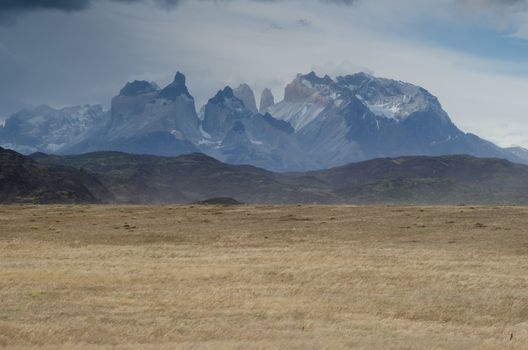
(263, 277)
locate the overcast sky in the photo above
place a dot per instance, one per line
(471, 54)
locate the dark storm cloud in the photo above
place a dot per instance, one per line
(63, 5)
(10, 9)
(17, 6)
(24, 5)
(338, 2)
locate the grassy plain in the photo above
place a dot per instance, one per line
(263, 277)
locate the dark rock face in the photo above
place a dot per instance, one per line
(23, 180)
(175, 89)
(278, 124)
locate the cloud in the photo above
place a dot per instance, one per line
(497, 5)
(27, 5)
(17, 6)
(10, 9)
(507, 16)
(495, 2)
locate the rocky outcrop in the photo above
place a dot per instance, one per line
(266, 100)
(246, 95)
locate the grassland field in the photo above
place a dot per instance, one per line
(263, 277)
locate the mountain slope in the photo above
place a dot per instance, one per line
(236, 135)
(359, 117)
(519, 152)
(46, 129)
(22, 180)
(146, 119)
(445, 179)
(192, 178)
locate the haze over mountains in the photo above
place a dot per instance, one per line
(320, 123)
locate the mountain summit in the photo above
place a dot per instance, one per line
(175, 89)
(359, 117)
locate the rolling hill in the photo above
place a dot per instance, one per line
(196, 177)
(22, 180)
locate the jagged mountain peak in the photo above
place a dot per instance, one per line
(180, 78)
(175, 89)
(221, 95)
(390, 98)
(244, 93)
(354, 81)
(222, 111)
(310, 88)
(266, 100)
(386, 98)
(227, 98)
(313, 78)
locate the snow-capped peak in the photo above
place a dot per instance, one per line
(389, 98)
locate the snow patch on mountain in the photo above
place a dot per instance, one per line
(388, 110)
(204, 133)
(49, 130)
(297, 114)
(54, 147)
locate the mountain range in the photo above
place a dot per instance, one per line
(320, 123)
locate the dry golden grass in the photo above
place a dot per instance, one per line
(101, 277)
